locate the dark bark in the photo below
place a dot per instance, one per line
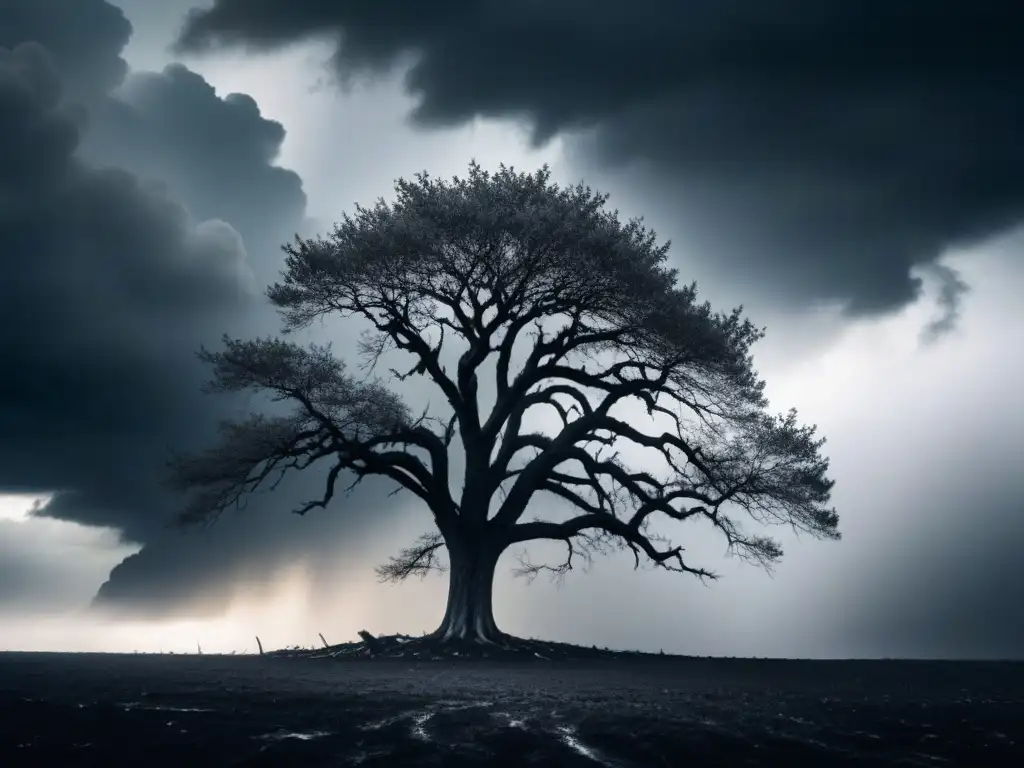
(490, 283)
(469, 614)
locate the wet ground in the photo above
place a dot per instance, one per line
(120, 710)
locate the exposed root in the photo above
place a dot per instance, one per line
(478, 637)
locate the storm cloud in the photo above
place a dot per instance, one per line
(817, 151)
(107, 285)
(217, 153)
(84, 40)
(141, 214)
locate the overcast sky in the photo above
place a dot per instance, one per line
(850, 172)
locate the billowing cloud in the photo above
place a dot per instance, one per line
(818, 152)
(107, 286)
(142, 216)
(216, 153)
(85, 40)
(129, 221)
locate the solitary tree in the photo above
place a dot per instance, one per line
(578, 313)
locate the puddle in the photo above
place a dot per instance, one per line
(179, 709)
(129, 705)
(376, 725)
(417, 725)
(451, 705)
(577, 746)
(282, 735)
(513, 722)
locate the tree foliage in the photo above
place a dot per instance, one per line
(495, 261)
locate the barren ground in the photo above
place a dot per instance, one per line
(608, 710)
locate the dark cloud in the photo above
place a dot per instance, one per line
(215, 153)
(85, 39)
(820, 150)
(197, 573)
(113, 278)
(107, 286)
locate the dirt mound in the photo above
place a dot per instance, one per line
(428, 648)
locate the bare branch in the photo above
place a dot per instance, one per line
(670, 559)
(251, 451)
(495, 260)
(336, 415)
(417, 560)
(529, 570)
(771, 470)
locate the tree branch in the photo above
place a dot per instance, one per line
(489, 259)
(336, 416)
(670, 559)
(417, 560)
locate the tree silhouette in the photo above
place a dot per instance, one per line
(498, 261)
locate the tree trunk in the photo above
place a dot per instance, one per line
(469, 614)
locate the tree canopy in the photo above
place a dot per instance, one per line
(502, 262)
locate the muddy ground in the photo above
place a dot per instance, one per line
(120, 710)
